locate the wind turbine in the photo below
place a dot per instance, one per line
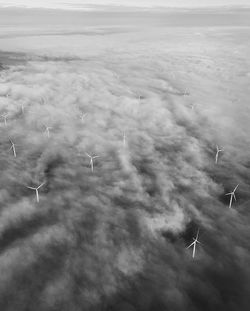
(83, 115)
(43, 101)
(186, 93)
(47, 130)
(192, 106)
(232, 196)
(22, 108)
(218, 150)
(194, 243)
(36, 189)
(13, 147)
(4, 116)
(124, 139)
(91, 160)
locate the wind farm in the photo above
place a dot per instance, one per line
(124, 156)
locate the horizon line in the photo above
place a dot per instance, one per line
(100, 7)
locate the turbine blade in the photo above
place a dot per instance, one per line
(41, 185)
(190, 245)
(236, 188)
(197, 234)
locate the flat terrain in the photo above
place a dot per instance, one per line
(151, 95)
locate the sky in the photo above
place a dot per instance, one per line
(81, 4)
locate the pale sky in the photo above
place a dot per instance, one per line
(80, 4)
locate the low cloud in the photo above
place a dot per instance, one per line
(115, 238)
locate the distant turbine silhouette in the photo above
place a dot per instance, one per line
(83, 116)
(36, 189)
(4, 116)
(217, 154)
(47, 130)
(194, 243)
(232, 196)
(186, 93)
(124, 139)
(22, 108)
(13, 148)
(91, 160)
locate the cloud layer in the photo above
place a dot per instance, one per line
(116, 238)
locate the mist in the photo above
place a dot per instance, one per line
(152, 103)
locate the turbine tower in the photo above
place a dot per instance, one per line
(124, 139)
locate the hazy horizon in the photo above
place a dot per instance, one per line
(97, 4)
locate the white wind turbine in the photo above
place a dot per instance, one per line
(47, 130)
(13, 148)
(232, 196)
(22, 108)
(4, 116)
(194, 243)
(91, 160)
(36, 189)
(186, 93)
(83, 116)
(43, 100)
(192, 106)
(218, 150)
(124, 139)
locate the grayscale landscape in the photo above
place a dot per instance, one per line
(124, 159)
